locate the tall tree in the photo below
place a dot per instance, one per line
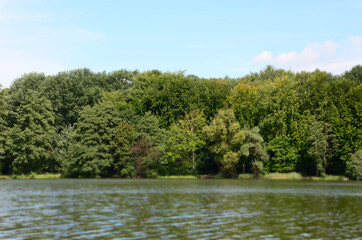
(121, 143)
(321, 141)
(91, 153)
(225, 138)
(283, 155)
(166, 95)
(252, 150)
(33, 134)
(186, 139)
(4, 131)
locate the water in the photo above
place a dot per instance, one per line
(179, 209)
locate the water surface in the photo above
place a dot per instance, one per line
(179, 209)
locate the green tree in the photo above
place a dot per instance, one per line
(166, 95)
(4, 131)
(122, 142)
(354, 167)
(186, 138)
(225, 138)
(321, 142)
(63, 141)
(209, 95)
(244, 101)
(283, 155)
(252, 151)
(355, 74)
(146, 158)
(91, 153)
(32, 135)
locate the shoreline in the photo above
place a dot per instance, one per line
(273, 176)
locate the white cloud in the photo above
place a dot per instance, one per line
(328, 56)
(356, 40)
(264, 57)
(286, 58)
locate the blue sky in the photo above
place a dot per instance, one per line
(204, 38)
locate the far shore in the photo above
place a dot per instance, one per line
(270, 176)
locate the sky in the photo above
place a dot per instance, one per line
(203, 38)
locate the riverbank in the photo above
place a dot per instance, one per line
(33, 176)
(269, 176)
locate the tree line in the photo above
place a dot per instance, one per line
(132, 124)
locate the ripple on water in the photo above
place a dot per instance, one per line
(179, 209)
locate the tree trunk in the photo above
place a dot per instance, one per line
(193, 160)
(325, 162)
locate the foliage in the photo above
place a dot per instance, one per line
(285, 176)
(166, 95)
(91, 153)
(146, 158)
(283, 155)
(320, 140)
(126, 123)
(121, 145)
(186, 139)
(354, 167)
(225, 136)
(32, 135)
(252, 151)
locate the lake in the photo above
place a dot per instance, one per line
(179, 209)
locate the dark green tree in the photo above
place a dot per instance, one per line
(91, 153)
(166, 95)
(225, 138)
(321, 142)
(354, 166)
(32, 135)
(121, 143)
(252, 151)
(283, 155)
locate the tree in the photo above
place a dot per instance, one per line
(225, 138)
(166, 95)
(283, 155)
(186, 139)
(91, 153)
(244, 101)
(321, 142)
(354, 166)
(146, 157)
(209, 95)
(252, 151)
(121, 143)
(355, 74)
(4, 131)
(63, 141)
(32, 135)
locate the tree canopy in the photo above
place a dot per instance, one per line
(143, 124)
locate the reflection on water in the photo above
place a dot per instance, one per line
(179, 209)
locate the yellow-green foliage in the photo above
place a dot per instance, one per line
(178, 177)
(284, 176)
(245, 176)
(33, 176)
(329, 178)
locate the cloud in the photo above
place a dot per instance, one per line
(334, 57)
(264, 57)
(356, 40)
(286, 58)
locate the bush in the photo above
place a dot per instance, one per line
(246, 176)
(285, 176)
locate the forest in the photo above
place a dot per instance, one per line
(148, 124)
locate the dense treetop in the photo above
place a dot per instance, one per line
(132, 124)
